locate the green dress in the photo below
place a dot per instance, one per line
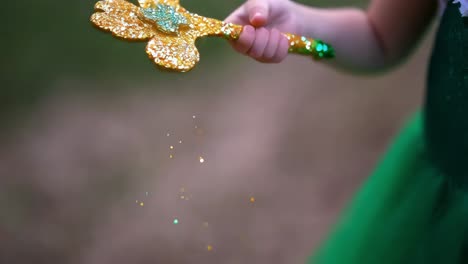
(414, 207)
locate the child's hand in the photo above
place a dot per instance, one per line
(261, 38)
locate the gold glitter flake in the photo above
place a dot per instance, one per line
(177, 51)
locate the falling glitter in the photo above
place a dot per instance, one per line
(146, 193)
(194, 117)
(209, 247)
(171, 147)
(198, 131)
(252, 199)
(183, 195)
(142, 204)
(202, 160)
(171, 156)
(176, 221)
(180, 141)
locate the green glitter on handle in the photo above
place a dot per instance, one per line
(322, 50)
(317, 49)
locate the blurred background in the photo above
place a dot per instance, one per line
(104, 159)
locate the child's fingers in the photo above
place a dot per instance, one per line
(246, 40)
(262, 44)
(272, 46)
(282, 50)
(258, 11)
(261, 40)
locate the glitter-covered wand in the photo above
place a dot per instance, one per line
(172, 31)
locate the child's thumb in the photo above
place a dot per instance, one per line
(258, 11)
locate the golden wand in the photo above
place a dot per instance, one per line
(172, 31)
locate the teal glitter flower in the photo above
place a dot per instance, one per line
(166, 17)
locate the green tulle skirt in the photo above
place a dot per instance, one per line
(407, 212)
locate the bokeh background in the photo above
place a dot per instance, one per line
(88, 174)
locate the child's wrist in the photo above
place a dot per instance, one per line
(297, 13)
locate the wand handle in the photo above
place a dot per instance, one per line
(297, 44)
(308, 46)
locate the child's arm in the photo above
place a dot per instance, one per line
(366, 40)
(378, 38)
